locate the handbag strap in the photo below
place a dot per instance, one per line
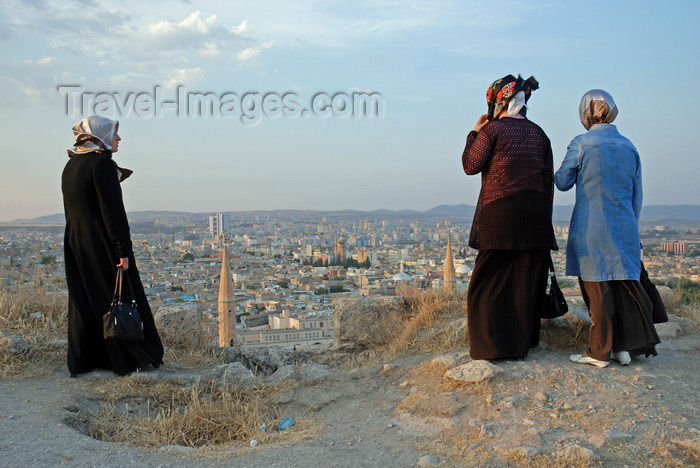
(117, 296)
(125, 277)
(551, 264)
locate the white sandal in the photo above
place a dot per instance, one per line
(581, 359)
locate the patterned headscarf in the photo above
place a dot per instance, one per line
(501, 91)
(597, 106)
(93, 133)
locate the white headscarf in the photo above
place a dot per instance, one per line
(93, 133)
(516, 103)
(597, 106)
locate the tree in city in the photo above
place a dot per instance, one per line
(48, 260)
(188, 257)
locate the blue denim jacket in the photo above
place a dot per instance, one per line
(603, 240)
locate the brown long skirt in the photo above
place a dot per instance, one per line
(620, 318)
(505, 292)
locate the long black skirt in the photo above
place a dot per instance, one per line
(505, 292)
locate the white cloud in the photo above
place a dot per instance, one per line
(169, 30)
(43, 61)
(251, 52)
(184, 77)
(210, 50)
(206, 35)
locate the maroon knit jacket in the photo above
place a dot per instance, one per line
(514, 211)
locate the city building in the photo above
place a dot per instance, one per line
(219, 223)
(675, 247)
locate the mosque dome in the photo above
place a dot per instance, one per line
(401, 276)
(462, 269)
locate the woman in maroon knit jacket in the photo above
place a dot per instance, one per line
(512, 227)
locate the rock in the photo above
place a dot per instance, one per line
(668, 330)
(367, 321)
(238, 375)
(597, 441)
(450, 360)
(666, 294)
(180, 324)
(175, 448)
(577, 315)
(692, 444)
(473, 372)
(541, 396)
(527, 452)
(488, 430)
(306, 371)
(576, 451)
(265, 360)
(14, 345)
(617, 436)
(428, 460)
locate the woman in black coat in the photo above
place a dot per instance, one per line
(97, 240)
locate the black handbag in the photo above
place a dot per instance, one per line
(658, 313)
(554, 304)
(122, 322)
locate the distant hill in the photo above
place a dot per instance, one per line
(651, 212)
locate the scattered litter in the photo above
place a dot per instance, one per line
(253, 443)
(262, 428)
(285, 424)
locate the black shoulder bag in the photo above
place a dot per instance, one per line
(122, 322)
(554, 304)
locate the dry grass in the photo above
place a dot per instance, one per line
(40, 332)
(573, 335)
(160, 413)
(191, 349)
(427, 327)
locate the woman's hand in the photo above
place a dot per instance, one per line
(481, 123)
(124, 263)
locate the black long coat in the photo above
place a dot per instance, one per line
(97, 235)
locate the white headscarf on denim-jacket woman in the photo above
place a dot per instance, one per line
(597, 106)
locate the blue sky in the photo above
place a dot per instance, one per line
(430, 61)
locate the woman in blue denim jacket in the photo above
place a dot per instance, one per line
(603, 248)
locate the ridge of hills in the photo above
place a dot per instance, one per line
(560, 212)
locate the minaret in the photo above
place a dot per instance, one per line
(449, 282)
(227, 305)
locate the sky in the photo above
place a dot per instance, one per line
(283, 130)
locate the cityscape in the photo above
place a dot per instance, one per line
(285, 267)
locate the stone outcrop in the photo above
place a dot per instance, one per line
(264, 361)
(180, 324)
(365, 322)
(14, 345)
(473, 372)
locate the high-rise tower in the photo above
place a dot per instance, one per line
(449, 281)
(227, 305)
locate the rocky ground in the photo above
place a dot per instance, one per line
(544, 410)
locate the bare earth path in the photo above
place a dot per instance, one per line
(541, 410)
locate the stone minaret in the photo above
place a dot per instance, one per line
(449, 281)
(340, 250)
(227, 305)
